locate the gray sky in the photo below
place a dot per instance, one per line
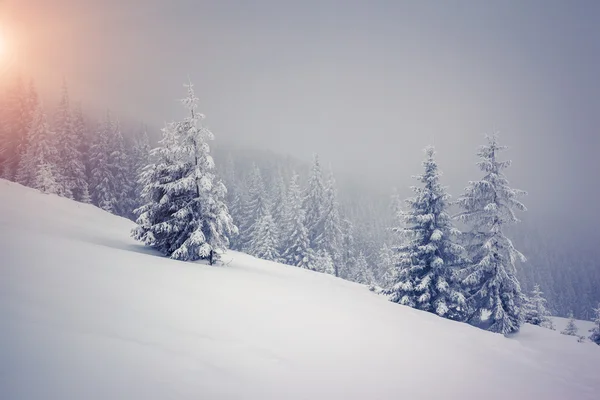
(365, 83)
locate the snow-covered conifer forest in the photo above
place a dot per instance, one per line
(467, 259)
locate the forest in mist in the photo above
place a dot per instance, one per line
(56, 147)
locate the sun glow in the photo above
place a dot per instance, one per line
(2, 45)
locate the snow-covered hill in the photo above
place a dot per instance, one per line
(88, 313)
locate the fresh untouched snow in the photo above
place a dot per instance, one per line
(88, 313)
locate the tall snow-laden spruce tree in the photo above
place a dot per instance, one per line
(427, 261)
(534, 310)
(101, 175)
(314, 202)
(329, 238)
(154, 215)
(488, 206)
(185, 202)
(595, 331)
(295, 246)
(37, 166)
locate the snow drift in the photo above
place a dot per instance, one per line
(88, 313)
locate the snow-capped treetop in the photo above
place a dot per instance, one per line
(489, 204)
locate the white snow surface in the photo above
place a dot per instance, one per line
(88, 313)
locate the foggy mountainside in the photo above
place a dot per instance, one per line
(100, 162)
(561, 262)
(317, 199)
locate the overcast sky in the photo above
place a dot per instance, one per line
(367, 84)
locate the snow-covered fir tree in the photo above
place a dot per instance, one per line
(265, 242)
(278, 198)
(119, 164)
(68, 143)
(488, 206)
(534, 309)
(101, 174)
(160, 202)
(595, 331)
(80, 189)
(17, 116)
(140, 159)
(257, 205)
(236, 208)
(295, 248)
(37, 166)
(348, 249)
(329, 239)
(323, 262)
(424, 276)
(361, 273)
(185, 216)
(314, 202)
(386, 266)
(571, 329)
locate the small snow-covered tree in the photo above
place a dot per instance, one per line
(387, 266)
(323, 262)
(571, 328)
(329, 238)
(37, 167)
(264, 243)
(185, 202)
(349, 250)
(488, 206)
(595, 331)
(534, 309)
(314, 202)
(361, 273)
(430, 256)
(101, 174)
(295, 248)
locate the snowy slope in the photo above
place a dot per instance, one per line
(88, 313)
